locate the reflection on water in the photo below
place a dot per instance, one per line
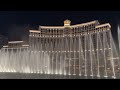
(42, 76)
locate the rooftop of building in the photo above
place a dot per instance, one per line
(68, 23)
(13, 43)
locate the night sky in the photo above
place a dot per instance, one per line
(15, 24)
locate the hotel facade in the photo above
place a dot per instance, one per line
(83, 49)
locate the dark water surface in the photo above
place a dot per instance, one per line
(42, 76)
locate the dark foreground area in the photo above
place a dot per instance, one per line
(42, 76)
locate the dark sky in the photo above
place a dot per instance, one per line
(15, 24)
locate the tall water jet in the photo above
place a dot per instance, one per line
(118, 31)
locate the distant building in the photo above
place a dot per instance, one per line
(16, 45)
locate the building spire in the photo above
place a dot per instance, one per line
(67, 23)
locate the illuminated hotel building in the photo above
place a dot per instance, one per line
(84, 49)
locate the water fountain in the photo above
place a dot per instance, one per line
(89, 54)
